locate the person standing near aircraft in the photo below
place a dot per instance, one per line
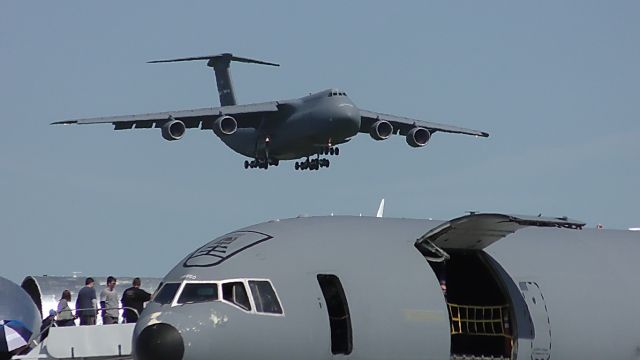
(47, 323)
(86, 303)
(109, 302)
(134, 298)
(65, 316)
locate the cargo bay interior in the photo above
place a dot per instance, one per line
(480, 311)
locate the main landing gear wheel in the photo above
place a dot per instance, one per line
(260, 164)
(329, 150)
(315, 164)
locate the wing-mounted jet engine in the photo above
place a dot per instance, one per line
(418, 137)
(381, 130)
(173, 129)
(225, 126)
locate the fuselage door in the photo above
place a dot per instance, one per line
(477, 231)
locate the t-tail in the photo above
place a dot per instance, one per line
(220, 64)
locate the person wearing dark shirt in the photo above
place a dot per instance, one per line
(134, 297)
(86, 303)
(47, 323)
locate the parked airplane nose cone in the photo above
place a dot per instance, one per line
(159, 342)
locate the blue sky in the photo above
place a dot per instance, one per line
(554, 83)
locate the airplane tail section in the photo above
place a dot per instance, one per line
(220, 64)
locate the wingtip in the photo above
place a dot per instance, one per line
(64, 122)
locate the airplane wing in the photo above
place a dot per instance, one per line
(402, 125)
(477, 231)
(246, 116)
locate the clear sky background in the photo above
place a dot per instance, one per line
(554, 83)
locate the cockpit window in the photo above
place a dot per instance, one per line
(166, 293)
(235, 293)
(198, 292)
(264, 297)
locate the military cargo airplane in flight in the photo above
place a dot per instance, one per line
(482, 286)
(308, 127)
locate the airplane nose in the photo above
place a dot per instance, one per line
(349, 119)
(159, 342)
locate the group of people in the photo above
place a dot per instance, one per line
(87, 308)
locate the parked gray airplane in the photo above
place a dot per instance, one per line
(279, 130)
(381, 288)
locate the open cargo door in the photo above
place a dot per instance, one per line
(477, 231)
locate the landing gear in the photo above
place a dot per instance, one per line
(329, 150)
(261, 163)
(314, 164)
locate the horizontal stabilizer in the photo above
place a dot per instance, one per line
(213, 58)
(220, 64)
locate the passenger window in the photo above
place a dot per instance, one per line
(166, 293)
(338, 311)
(198, 292)
(265, 297)
(234, 292)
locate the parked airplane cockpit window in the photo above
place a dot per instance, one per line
(235, 293)
(198, 292)
(166, 294)
(264, 297)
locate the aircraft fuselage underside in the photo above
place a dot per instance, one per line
(307, 131)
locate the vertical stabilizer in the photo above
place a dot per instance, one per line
(220, 64)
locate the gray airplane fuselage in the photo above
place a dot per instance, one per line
(301, 129)
(564, 294)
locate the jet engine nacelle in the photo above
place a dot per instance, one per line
(381, 130)
(173, 130)
(225, 126)
(418, 137)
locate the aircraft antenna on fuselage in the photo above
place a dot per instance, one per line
(220, 64)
